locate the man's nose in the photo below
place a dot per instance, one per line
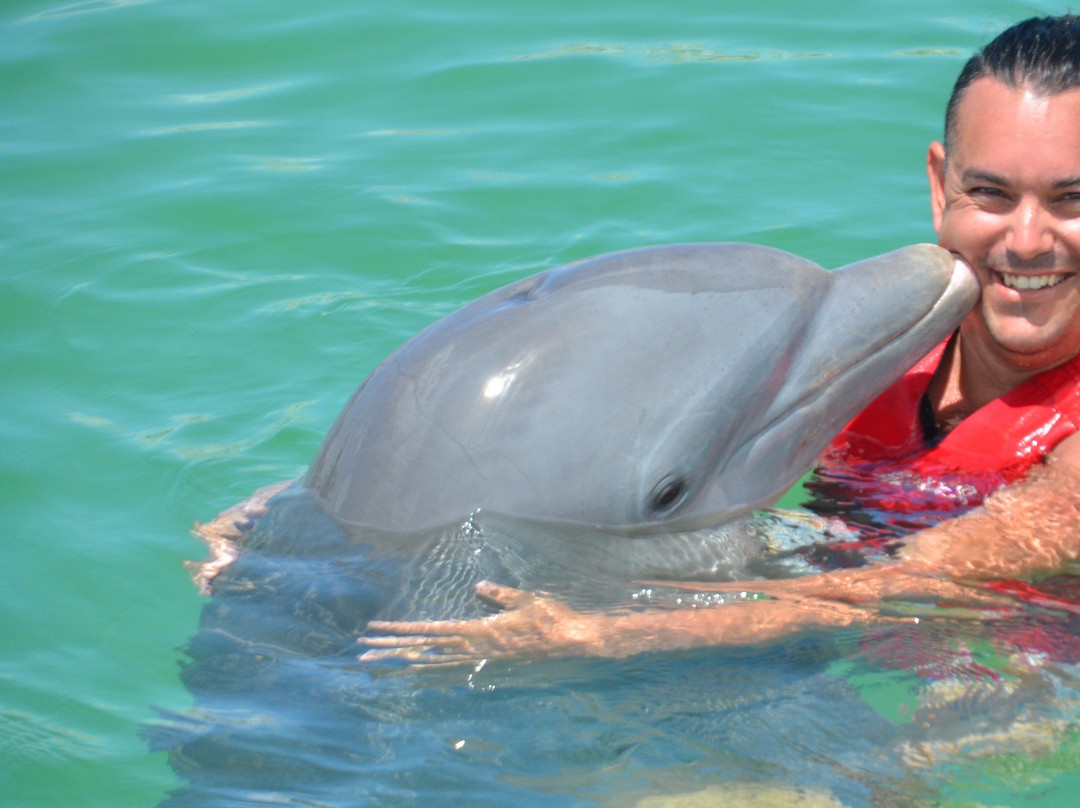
(1030, 234)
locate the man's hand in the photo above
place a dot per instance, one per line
(222, 535)
(528, 623)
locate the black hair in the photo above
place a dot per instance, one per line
(1041, 54)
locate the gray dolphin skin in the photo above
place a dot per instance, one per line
(645, 391)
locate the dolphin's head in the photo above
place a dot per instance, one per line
(643, 391)
(802, 383)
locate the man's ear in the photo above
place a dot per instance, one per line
(935, 172)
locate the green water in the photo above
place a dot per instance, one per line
(216, 217)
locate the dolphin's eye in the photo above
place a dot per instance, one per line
(667, 493)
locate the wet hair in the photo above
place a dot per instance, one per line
(1041, 54)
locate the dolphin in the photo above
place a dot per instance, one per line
(644, 391)
(595, 416)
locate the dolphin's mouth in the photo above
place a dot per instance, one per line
(804, 426)
(962, 283)
(929, 330)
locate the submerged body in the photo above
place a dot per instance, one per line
(640, 392)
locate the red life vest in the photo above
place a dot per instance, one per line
(1007, 436)
(882, 458)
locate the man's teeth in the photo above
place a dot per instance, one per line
(1031, 281)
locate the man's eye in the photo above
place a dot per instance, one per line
(989, 198)
(1069, 204)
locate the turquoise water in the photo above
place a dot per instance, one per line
(217, 217)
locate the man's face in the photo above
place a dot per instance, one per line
(1008, 200)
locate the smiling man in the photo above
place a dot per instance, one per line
(1001, 397)
(1004, 392)
(1005, 194)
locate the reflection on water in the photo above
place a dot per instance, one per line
(888, 715)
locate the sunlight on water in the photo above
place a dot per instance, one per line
(89, 7)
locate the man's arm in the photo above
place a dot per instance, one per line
(1026, 530)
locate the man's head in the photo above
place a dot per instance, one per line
(1005, 195)
(1041, 54)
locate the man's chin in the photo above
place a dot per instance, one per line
(1034, 351)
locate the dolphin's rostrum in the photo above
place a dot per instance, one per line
(644, 391)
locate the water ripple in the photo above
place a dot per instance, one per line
(226, 95)
(210, 126)
(88, 7)
(675, 52)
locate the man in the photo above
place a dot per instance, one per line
(1005, 195)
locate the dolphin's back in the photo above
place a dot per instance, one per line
(532, 392)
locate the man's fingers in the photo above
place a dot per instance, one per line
(414, 656)
(414, 628)
(419, 650)
(392, 641)
(505, 597)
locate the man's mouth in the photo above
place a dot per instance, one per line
(1025, 282)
